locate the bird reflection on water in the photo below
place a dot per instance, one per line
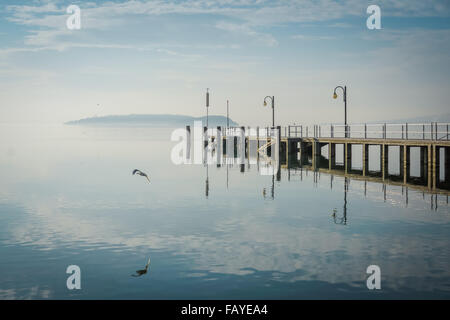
(140, 273)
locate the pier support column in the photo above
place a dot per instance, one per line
(288, 148)
(365, 159)
(423, 162)
(314, 148)
(435, 160)
(406, 163)
(436, 166)
(348, 157)
(401, 164)
(331, 156)
(430, 166)
(384, 161)
(447, 164)
(224, 145)
(303, 152)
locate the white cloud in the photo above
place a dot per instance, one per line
(244, 16)
(243, 29)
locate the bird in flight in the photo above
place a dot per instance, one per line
(142, 272)
(142, 174)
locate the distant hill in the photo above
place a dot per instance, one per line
(151, 120)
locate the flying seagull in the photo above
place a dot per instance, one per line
(139, 172)
(142, 272)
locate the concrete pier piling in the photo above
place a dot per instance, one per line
(447, 165)
(331, 156)
(365, 159)
(348, 157)
(384, 161)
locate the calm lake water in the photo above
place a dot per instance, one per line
(67, 197)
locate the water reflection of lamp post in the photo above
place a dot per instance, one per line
(207, 183)
(344, 90)
(342, 220)
(272, 189)
(273, 107)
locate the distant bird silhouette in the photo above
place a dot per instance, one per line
(142, 272)
(142, 174)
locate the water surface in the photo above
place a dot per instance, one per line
(67, 197)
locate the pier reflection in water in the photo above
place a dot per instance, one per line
(319, 167)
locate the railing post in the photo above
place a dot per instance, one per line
(402, 131)
(384, 131)
(320, 132)
(301, 131)
(406, 131)
(423, 132)
(431, 129)
(436, 130)
(332, 133)
(365, 131)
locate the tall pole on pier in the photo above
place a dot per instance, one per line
(228, 115)
(207, 106)
(344, 90)
(272, 98)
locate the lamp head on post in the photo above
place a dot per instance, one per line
(344, 92)
(265, 100)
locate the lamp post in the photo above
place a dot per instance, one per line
(228, 115)
(344, 90)
(207, 106)
(273, 107)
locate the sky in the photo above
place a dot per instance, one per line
(136, 56)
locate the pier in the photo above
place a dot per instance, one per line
(314, 148)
